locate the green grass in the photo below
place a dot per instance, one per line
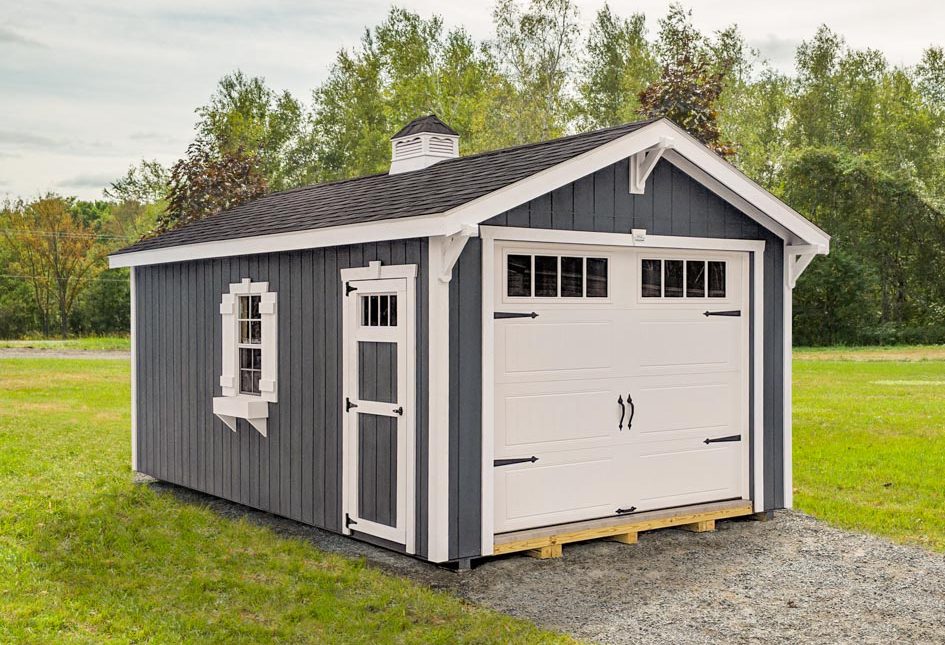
(87, 556)
(84, 343)
(869, 440)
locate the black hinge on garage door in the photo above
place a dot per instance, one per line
(732, 312)
(498, 315)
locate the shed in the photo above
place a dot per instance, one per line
(467, 356)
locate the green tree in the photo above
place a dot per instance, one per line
(617, 65)
(536, 46)
(245, 118)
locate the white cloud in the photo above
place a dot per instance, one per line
(92, 86)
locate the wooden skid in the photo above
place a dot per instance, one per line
(546, 542)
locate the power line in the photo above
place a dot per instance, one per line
(43, 277)
(10, 231)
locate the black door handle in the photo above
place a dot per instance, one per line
(633, 411)
(621, 511)
(399, 411)
(623, 411)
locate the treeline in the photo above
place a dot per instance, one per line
(852, 142)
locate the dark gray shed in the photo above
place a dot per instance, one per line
(474, 355)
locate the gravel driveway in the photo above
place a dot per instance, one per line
(793, 579)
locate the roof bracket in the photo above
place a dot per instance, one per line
(643, 163)
(799, 256)
(453, 247)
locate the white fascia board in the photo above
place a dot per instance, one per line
(391, 229)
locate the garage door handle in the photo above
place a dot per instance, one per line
(621, 511)
(731, 312)
(734, 437)
(514, 314)
(623, 411)
(633, 410)
(509, 462)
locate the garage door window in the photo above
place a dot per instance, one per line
(682, 279)
(556, 276)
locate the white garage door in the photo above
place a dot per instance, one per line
(615, 391)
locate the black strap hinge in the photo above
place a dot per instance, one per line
(348, 521)
(519, 460)
(734, 437)
(349, 405)
(623, 511)
(498, 315)
(731, 312)
(349, 288)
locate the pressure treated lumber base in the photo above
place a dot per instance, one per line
(546, 542)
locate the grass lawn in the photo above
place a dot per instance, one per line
(86, 556)
(869, 440)
(87, 343)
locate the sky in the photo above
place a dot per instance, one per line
(89, 87)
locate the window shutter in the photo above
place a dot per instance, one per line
(270, 346)
(228, 384)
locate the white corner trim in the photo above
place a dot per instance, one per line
(757, 340)
(377, 271)
(643, 163)
(134, 371)
(439, 406)
(487, 521)
(788, 370)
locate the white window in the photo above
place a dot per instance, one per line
(682, 278)
(555, 276)
(248, 376)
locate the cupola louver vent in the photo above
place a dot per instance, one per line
(422, 143)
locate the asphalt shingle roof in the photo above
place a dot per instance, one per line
(435, 189)
(428, 123)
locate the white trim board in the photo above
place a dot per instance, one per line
(688, 154)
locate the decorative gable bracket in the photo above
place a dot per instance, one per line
(798, 257)
(643, 163)
(452, 249)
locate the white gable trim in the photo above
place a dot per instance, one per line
(688, 154)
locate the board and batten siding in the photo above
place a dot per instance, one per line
(296, 471)
(673, 204)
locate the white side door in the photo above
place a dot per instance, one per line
(378, 441)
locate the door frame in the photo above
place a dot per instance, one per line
(755, 296)
(376, 271)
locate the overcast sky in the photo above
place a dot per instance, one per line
(88, 87)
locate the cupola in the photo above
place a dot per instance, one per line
(421, 143)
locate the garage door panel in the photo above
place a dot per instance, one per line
(670, 408)
(677, 473)
(698, 343)
(556, 421)
(552, 491)
(537, 346)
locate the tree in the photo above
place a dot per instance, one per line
(145, 183)
(691, 81)
(207, 181)
(59, 253)
(617, 65)
(245, 118)
(406, 67)
(536, 46)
